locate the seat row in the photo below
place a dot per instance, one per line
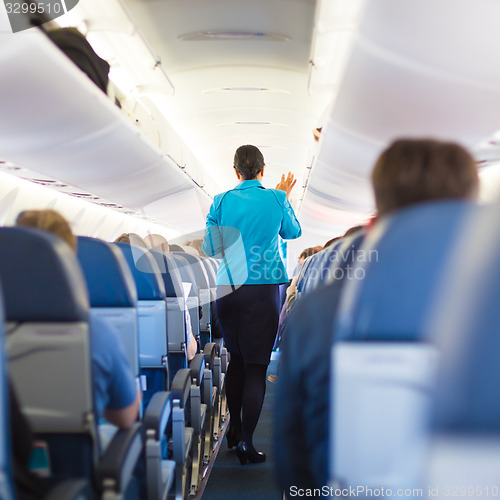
(53, 301)
(413, 368)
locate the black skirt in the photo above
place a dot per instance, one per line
(249, 319)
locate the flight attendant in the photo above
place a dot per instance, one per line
(243, 227)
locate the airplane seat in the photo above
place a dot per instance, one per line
(152, 319)
(65, 490)
(304, 274)
(198, 419)
(202, 284)
(193, 300)
(212, 279)
(112, 291)
(380, 401)
(393, 281)
(343, 257)
(317, 271)
(388, 299)
(178, 318)
(113, 298)
(214, 263)
(214, 393)
(464, 443)
(47, 310)
(210, 270)
(182, 433)
(160, 471)
(312, 276)
(212, 266)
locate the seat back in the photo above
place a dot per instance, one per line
(49, 344)
(151, 306)
(112, 292)
(397, 269)
(210, 270)
(302, 276)
(193, 300)
(176, 304)
(465, 423)
(380, 399)
(317, 271)
(390, 298)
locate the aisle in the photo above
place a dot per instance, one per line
(231, 481)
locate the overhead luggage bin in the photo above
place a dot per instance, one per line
(414, 69)
(58, 123)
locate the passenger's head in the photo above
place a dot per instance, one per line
(157, 242)
(416, 170)
(307, 252)
(248, 162)
(176, 248)
(352, 230)
(48, 220)
(196, 244)
(131, 239)
(330, 242)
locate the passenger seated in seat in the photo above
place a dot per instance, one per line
(131, 239)
(116, 394)
(158, 242)
(291, 290)
(196, 244)
(409, 171)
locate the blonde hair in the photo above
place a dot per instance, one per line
(131, 239)
(157, 242)
(48, 220)
(196, 244)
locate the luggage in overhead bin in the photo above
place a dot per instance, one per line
(79, 50)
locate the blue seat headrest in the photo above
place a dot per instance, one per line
(109, 280)
(146, 273)
(41, 278)
(397, 270)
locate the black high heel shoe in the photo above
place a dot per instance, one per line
(233, 437)
(247, 453)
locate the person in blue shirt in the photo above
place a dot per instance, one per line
(243, 229)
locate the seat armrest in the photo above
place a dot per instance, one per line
(219, 344)
(181, 386)
(69, 490)
(117, 465)
(210, 351)
(197, 367)
(158, 413)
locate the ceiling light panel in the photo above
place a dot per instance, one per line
(232, 35)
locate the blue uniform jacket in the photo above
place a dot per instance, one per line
(243, 226)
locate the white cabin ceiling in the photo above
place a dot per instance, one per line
(232, 87)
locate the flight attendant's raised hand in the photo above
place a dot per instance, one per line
(286, 184)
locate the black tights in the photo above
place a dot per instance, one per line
(245, 391)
